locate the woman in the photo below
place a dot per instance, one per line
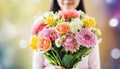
(89, 62)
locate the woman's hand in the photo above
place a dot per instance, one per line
(54, 67)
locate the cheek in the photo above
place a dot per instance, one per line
(76, 3)
(60, 3)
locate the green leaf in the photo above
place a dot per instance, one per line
(83, 51)
(76, 62)
(67, 60)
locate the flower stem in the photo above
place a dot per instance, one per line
(58, 56)
(55, 57)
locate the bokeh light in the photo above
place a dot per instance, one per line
(113, 22)
(115, 53)
(109, 1)
(23, 43)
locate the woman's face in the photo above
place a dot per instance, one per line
(68, 4)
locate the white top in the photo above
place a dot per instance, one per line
(91, 61)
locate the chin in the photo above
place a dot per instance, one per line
(67, 8)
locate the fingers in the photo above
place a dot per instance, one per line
(54, 67)
(59, 67)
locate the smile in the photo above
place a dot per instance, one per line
(67, 2)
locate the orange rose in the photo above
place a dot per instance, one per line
(62, 28)
(44, 43)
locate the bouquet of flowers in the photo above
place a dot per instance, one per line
(64, 37)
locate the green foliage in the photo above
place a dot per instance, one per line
(59, 57)
(67, 60)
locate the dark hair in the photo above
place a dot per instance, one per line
(55, 6)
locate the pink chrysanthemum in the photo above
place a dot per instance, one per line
(38, 27)
(86, 38)
(70, 44)
(67, 14)
(49, 32)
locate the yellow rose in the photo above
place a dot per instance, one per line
(33, 43)
(89, 22)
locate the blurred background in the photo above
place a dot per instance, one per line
(17, 16)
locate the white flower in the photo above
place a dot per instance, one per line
(38, 19)
(75, 25)
(81, 13)
(58, 41)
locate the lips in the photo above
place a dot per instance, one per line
(68, 2)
